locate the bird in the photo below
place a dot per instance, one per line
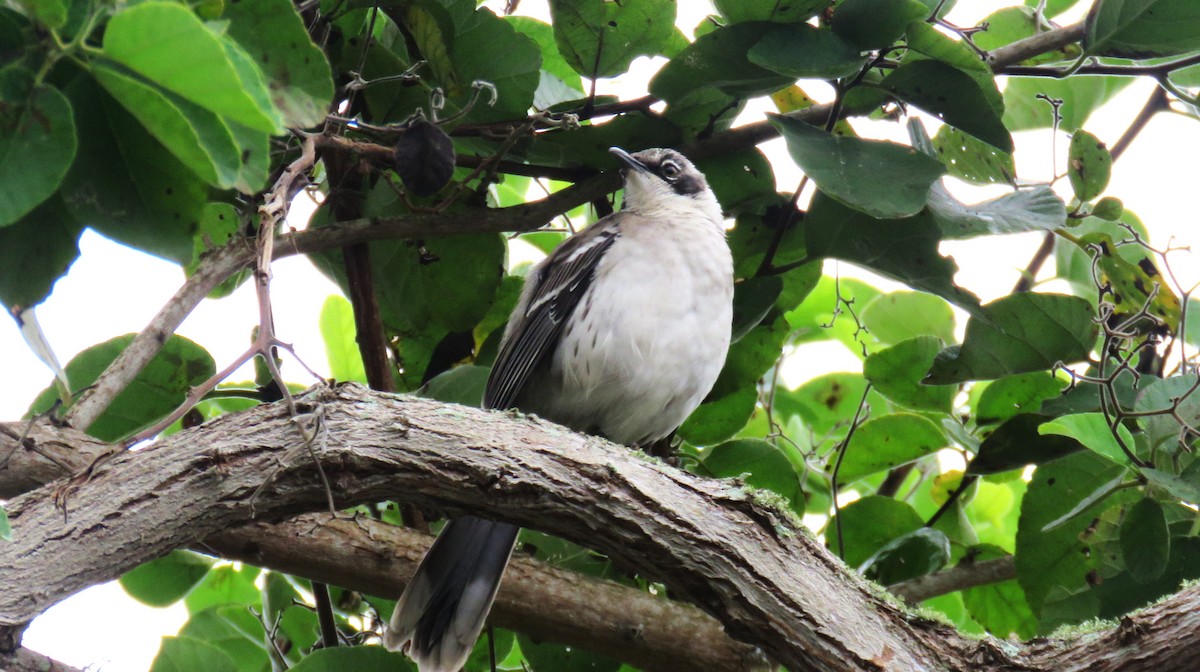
(620, 332)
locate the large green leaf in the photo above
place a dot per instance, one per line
(870, 523)
(900, 316)
(1054, 565)
(225, 584)
(1145, 540)
(719, 59)
(460, 385)
(973, 160)
(717, 420)
(825, 402)
(1001, 608)
(802, 51)
(184, 654)
(1171, 398)
(849, 169)
(779, 11)
(1017, 442)
(125, 184)
(897, 373)
(236, 631)
(52, 13)
(1025, 106)
(35, 252)
(751, 357)
(166, 580)
(341, 349)
(554, 656)
(1018, 334)
(557, 82)
(295, 69)
(488, 48)
(886, 442)
(874, 24)
(196, 136)
(1011, 395)
(37, 142)
(760, 463)
(905, 249)
(171, 46)
(952, 96)
(1142, 28)
(1037, 208)
(920, 552)
(1093, 431)
(601, 39)
(157, 390)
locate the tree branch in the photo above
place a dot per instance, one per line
(544, 601)
(25, 660)
(710, 542)
(965, 575)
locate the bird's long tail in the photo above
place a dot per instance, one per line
(441, 613)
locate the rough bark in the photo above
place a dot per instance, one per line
(711, 542)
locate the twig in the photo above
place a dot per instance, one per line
(965, 575)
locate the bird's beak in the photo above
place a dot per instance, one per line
(627, 159)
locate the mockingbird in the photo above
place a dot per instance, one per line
(620, 332)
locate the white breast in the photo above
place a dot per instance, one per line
(651, 333)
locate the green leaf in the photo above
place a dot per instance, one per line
(928, 41)
(762, 464)
(899, 316)
(357, 658)
(1016, 443)
(338, 330)
(719, 59)
(295, 69)
(905, 250)
(801, 51)
(1054, 564)
(952, 96)
(717, 420)
(166, 580)
(1092, 430)
(194, 135)
(1142, 28)
(487, 48)
(5, 528)
(973, 160)
(557, 82)
(35, 252)
(1018, 334)
(234, 630)
(1001, 608)
(157, 390)
(887, 442)
(225, 584)
(1012, 395)
(184, 654)
(1089, 165)
(219, 225)
(1053, 7)
(1037, 208)
(870, 523)
(779, 11)
(1011, 24)
(752, 299)
(1145, 540)
(559, 657)
(920, 552)
(171, 46)
(601, 39)
(874, 24)
(1186, 489)
(460, 385)
(751, 357)
(741, 178)
(897, 373)
(51, 13)
(125, 184)
(37, 142)
(848, 169)
(1177, 392)
(1080, 96)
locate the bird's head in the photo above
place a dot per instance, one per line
(664, 179)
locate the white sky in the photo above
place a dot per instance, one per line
(104, 629)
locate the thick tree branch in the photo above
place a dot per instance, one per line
(544, 601)
(709, 541)
(24, 660)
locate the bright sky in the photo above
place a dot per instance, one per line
(113, 290)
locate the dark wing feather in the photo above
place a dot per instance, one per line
(561, 283)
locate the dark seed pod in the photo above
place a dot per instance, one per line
(424, 158)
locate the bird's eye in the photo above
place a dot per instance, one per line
(670, 170)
